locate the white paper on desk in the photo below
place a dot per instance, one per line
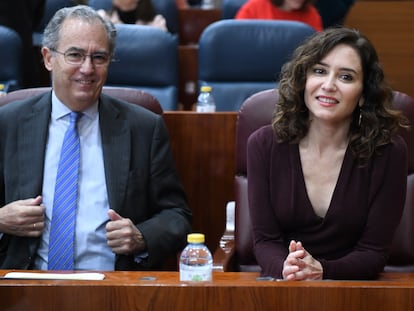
(55, 276)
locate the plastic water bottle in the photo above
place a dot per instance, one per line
(3, 90)
(196, 262)
(205, 100)
(207, 4)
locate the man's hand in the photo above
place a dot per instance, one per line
(122, 235)
(24, 218)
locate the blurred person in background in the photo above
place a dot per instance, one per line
(294, 10)
(140, 12)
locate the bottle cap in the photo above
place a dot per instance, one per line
(205, 88)
(195, 238)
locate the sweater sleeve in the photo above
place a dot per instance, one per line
(269, 247)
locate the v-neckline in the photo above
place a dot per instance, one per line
(303, 183)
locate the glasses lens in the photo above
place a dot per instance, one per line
(100, 58)
(75, 58)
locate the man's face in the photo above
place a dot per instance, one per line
(78, 86)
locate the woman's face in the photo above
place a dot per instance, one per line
(334, 86)
(292, 5)
(126, 5)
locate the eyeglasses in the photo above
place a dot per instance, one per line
(74, 57)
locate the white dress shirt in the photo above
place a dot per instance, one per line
(91, 249)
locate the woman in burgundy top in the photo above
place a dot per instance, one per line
(327, 180)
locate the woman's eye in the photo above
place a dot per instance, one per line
(346, 77)
(318, 71)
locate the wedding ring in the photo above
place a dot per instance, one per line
(34, 226)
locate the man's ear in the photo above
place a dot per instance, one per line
(47, 55)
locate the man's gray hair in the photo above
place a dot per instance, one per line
(51, 34)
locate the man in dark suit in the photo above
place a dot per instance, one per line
(131, 211)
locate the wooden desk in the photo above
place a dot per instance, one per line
(126, 291)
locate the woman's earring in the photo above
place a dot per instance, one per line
(360, 103)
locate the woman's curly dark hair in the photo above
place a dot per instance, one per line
(379, 120)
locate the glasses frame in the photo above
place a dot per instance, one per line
(84, 56)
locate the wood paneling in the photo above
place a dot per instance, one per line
(193, 21)
(203, 146)
(389, 26)
(188, 81)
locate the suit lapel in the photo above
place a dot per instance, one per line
(31, 144)
(32, 138)
(116, 145)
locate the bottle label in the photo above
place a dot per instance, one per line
(195, 273)
(206, 108)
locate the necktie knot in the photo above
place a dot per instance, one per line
(74, 117)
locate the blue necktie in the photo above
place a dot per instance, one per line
(62, 229)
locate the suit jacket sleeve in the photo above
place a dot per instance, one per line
(143, 184)
(166, 230)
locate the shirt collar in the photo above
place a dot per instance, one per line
(60, 110)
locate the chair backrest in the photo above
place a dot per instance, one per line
(405, 103)
(11, 71)
(256, 112)
(230, 8)
(130, 95)
(238, 58)
(146, 58)
(402, 251)
(100, 4)
(51, 7)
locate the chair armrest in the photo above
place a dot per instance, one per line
(223, 257)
